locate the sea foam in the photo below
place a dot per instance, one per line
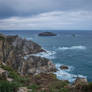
(73, 48)
(29, 38)
(65, 75)
(47, 54)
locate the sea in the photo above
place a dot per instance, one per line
(72, 48)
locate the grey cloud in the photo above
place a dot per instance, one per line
(22, 8)
(50, 20)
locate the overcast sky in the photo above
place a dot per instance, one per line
(46, 14)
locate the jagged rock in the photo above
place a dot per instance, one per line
(24, 46)
(80, 81)
(3, 74)
(35, 65)
(63, 67)
(13, 49)
(9, 79)
(47, 34)
(22, 89)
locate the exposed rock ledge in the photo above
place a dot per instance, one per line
(13, 49)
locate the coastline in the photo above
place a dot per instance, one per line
(40, 69)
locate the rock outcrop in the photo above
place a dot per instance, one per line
(63, 67)
(47, 34)
(80, 81)
(13, 51)
(22, 89)
(3, 74)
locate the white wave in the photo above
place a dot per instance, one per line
(29, 38)
(47, 54)
(73, 48)
(65, 75)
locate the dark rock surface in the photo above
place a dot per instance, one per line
(63, 67)
(47, 34)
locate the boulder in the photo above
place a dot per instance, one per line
(64, 67)
(9, 79)
(80, 81)
(3, 74)
(22, 89)
(47, 34)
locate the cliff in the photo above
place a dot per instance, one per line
(14, 51)
(20, 71)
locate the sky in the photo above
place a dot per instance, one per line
(46, 14)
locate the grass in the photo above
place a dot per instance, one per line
(2, 38)
(6, 86)
(34, 87)
(15, 76)
(58, 86)
(19, 81)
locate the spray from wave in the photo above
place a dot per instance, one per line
(47, 54)
(73, 48)
(29, 38)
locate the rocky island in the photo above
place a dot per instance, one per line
(21, 71)
(47, 34)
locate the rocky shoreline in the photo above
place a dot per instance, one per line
(34, 73)
(14, 49)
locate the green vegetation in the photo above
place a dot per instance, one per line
(88, 88)
(6, 86)
(34, 87)
(58, 86)
(54, 85)
(18, 81)
(2, 38)
(13, 74)
(64, 90)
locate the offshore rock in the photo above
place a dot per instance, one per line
(63, 67)
(47, 34)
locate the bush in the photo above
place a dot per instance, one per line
(15, 76)
(2, 38)
(34, 87)
(58, 86)
(64, 90)
(6, 86)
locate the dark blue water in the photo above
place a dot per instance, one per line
(72, 48)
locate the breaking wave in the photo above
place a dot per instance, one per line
(73, 48)
(47, 54)
(29, 38)
(65, 75)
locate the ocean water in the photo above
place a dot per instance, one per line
(71, 48)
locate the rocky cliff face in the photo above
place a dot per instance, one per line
(13, 51)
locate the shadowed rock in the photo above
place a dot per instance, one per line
(47, 34)
(63, 67)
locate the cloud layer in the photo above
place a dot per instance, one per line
(48, 14)
(50, 20)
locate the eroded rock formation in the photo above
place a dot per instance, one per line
(13, 51)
